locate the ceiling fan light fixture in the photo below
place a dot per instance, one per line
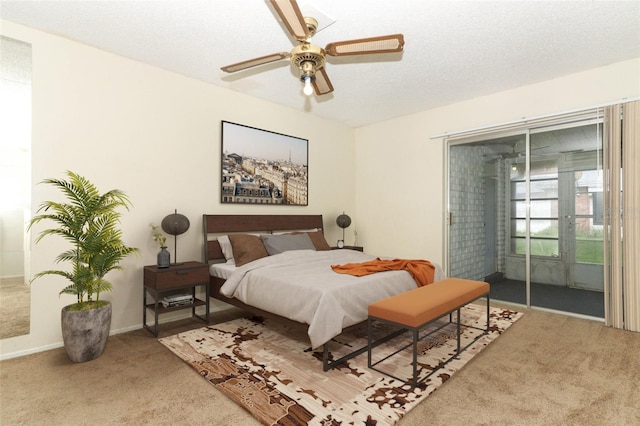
(308, 88)
(308, 69)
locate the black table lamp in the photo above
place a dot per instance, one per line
(343, 221)
(175, 224)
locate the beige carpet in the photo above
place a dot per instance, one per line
(546, 370)
(269, 368)
(15, 302)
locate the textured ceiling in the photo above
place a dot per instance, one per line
(454, 50)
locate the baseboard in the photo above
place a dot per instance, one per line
(161, 320)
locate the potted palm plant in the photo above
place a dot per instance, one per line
(89, 222)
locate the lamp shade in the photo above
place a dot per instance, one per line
(175, 224)
(343, 221)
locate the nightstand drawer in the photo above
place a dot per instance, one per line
(175, 276)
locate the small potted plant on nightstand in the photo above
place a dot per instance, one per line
(89, 222)
(164, 257)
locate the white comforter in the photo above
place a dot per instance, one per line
(300, 285)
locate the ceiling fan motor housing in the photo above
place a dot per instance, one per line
(308, 58)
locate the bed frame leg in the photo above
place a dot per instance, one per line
(325, 357)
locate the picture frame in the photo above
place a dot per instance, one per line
(261, 167)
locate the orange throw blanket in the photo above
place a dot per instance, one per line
(422, 271)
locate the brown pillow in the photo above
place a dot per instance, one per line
(318, 240)
(246, 248)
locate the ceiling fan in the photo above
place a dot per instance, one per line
(513, 154)
(308, 58)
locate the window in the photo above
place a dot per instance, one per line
(543, 209)
(589, 217)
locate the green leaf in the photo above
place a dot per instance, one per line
(88, 221)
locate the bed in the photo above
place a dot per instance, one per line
(327, 302)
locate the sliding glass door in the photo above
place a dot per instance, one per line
(526, 215)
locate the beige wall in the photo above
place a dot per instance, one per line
(400, 169)
(155, 135)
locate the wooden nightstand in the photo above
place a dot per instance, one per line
(162, 281)
(358, 248)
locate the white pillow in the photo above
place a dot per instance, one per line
(227, 250)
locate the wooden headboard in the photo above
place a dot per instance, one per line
(232, 223)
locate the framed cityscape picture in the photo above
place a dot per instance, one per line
(263, 167)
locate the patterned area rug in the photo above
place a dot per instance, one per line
(269, 369)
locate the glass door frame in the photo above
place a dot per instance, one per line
(526, 132)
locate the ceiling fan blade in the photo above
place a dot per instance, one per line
(382, 44)
(255, 62)
(292, 18)
(321, 83)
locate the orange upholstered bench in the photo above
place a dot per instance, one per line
(414, 309)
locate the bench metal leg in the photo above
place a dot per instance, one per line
(369, 342)
(416, 332)
(488, 315)
(458, 329)
(328, 365)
